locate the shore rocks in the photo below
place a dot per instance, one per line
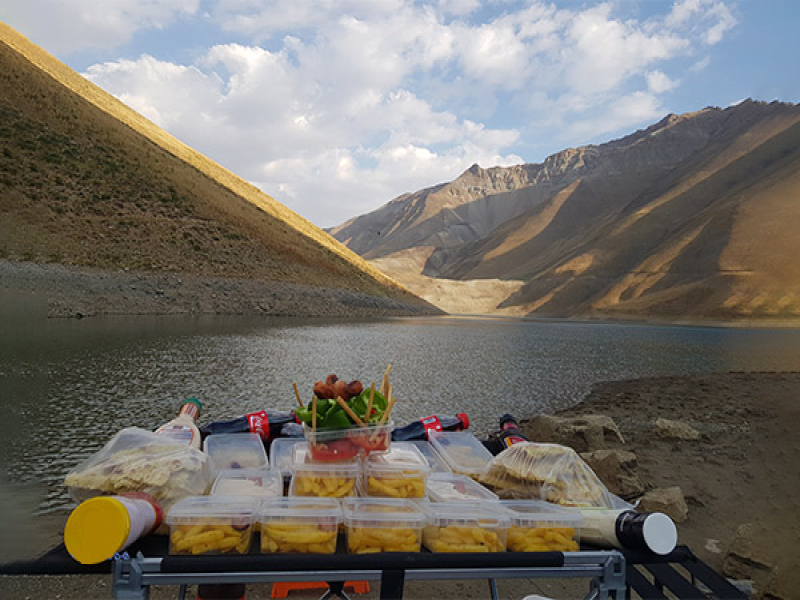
(748, 554)
(585, 433)
(675, 430)
(616, 469)
(669, 501)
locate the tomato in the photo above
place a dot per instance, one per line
(370, 444)
(341, 449)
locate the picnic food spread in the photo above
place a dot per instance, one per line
(346, 475)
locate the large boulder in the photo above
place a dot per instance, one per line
(669, 501)
(585, 433)
(617, 470)
(675, 430)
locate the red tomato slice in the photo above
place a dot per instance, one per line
(369, 444)
(341, 449)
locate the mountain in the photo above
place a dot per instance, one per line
(694, 217)
(86, 181)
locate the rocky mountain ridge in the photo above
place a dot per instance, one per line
(571, 229)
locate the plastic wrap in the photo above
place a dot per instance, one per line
(547, 472)
(137, 460)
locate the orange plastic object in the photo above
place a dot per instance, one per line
(281, 589)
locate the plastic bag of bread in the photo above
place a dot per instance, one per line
(137, 460)
(547, 472)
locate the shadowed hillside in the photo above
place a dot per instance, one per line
(694, 217)
(86, 181)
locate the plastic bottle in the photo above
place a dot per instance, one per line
(419, 429)
(269, 424)
(510, 432)
(100, 527)
(654, 532)
(183, 427)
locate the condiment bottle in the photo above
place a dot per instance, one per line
(654, 532)
(100, 527)
(184, 427)
(510, 432)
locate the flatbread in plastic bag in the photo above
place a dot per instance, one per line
(137, 460)
(548, 472)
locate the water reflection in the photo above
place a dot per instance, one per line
(68, 385)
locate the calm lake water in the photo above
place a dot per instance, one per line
(67, 386)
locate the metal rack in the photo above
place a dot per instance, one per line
(606, 570)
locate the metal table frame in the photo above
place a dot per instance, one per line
(132, 576)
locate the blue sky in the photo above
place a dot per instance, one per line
(334, 107)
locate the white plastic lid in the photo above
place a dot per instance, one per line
(535, 513)
(219, 509)
(468, 514)
(327, 509)
(400, 456)
(659, 533)
(435, 460)
(382, 512)
(280, 454)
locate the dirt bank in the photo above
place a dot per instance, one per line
(63, 291)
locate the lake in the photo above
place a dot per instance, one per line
(68, 385)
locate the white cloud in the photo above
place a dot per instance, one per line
(66, 26)
(336, 106)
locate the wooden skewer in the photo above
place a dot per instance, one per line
(384, 416)
(297, 394)
(385, 384)
(369, 404)
(350, 412)
(314, 413)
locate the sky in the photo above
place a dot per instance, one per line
(335, 107)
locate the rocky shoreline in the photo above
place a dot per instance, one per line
(56, 290)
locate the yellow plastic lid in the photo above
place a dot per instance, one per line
(96, 530)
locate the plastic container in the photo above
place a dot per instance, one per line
(330, 445)
(538, 526)
(305, 525)
(435, 460)
(400, 472)
(325, 480)
(464, 453)
(451, 487)
(263, 483)
(212, 524)
(235, 451)
(466, 527)
(280, 455)
(100, 527)
(383, 525)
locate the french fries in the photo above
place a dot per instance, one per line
(209, 537)
(397, 487)
(458, 538)
(542, 539)
(323, 485)
(364, 540)
(305, 537)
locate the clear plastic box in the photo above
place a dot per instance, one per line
(280, 455)
(463, 452)
(305, 525)
(400, 472)
(383, 525)
(212, 524)
(263, 483)
(435, 460)
(343, 444)
(326, 480)
(451, 487)
(466, 527)
(235, 451)
(538, 526)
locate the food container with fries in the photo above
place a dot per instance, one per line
(466, 527)
(304, 525)
(538, 526)
(400, 472)
(383, 525)
(325, 480)
(212, 524)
